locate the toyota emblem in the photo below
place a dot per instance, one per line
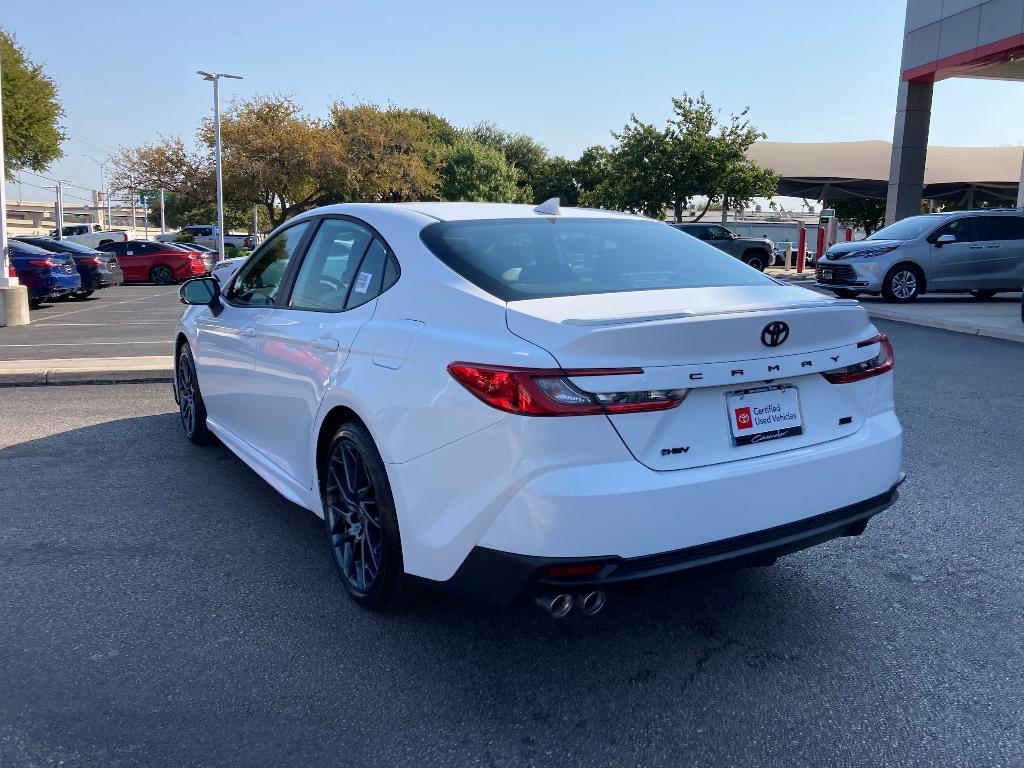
(775, 333)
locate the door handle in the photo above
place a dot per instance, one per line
(248, 332)
(327, 344)
(992, 245)
(977, 247)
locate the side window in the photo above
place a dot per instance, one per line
(370, 276)
(259, 279)
(1003, 227)
(961, 229)
(329, 268)
(391, 273)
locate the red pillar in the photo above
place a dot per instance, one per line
(849, 234)
(820, 251)
(801, 252)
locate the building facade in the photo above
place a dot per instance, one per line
(943, 39)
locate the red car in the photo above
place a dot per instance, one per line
(160, 263)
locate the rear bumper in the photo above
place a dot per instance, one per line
(501, 577)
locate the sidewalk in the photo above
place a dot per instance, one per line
(998, 318)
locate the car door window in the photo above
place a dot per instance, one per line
(962, 229)
(329, 268)
(368, 280)
(1002, 228)
(719, 233)
(260, 278)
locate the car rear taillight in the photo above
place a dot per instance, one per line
(90, 260)
(10, 271)
(45, 263)
(549, 391)
(881, 363)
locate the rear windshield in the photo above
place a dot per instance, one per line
(908, 229)
(516, 259)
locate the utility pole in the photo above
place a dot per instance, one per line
(131, 194)
(13, 295)
(163, 225)
(255, 224)
(215, 79)
(58, 209)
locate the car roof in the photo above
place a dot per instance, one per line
(465, 211)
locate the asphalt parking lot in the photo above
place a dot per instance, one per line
(123, 321)
(161, 605)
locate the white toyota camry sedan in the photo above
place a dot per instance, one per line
(505, 401)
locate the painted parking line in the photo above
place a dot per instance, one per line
(100, 306)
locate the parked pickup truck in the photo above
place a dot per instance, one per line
(206, 234)
(755, 251)
(91, 235)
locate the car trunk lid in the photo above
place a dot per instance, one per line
(714, 342)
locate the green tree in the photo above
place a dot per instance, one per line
(528, 156)
(635, 173)
(476, 172)
(31, 111)
(557, 178)
(697, 153)
(863, 212)
(388, 155)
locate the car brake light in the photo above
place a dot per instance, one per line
(90, 260)
(549, 392)
(44, 263)
(881, 363)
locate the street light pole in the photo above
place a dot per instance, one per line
(103, 187)
(215, 79)
(163, 226)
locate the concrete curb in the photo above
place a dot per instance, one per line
(114, 370)
(943, 324)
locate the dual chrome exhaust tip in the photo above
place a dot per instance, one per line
(558, 605)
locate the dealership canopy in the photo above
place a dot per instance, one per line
(851, 169)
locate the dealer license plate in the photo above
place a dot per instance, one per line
(760, 415)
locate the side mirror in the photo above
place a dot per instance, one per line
(945, 240)
(201, 291)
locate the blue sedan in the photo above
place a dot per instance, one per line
(46, 275)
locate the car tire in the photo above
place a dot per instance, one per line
(755, 259)
(82, 294)
(191, 408)
(361, 522)
(902, 284)
(35, 303)
(983, 294)
(845, 293)
(161, 275)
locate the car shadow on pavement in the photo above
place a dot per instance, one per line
(141, 571)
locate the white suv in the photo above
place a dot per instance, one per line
(499, 400)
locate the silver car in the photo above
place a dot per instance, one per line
(980, 252)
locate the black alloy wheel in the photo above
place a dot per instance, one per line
(362, 527)
(191, 407)
(161, 275)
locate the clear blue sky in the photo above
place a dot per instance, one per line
(564, 72)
